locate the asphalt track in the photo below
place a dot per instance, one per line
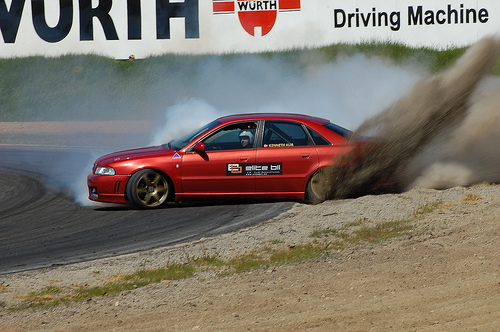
(41, 225)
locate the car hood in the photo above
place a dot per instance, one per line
(134, 154)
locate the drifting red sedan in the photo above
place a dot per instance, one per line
(248, 156)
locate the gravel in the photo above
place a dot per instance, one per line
(291, 227)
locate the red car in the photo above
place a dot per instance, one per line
(249, 156)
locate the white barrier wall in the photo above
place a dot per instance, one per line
(119, 28)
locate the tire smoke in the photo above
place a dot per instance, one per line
(442, 133)
(345, 91)
(435, 120)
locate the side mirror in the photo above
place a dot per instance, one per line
(199, 147)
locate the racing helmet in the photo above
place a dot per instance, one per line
(246, 133)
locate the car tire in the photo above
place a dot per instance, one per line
(315, 193)
(149, 189)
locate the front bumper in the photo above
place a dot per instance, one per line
(107, 188)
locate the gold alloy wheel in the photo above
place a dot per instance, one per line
(148, 189)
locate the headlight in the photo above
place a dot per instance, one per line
(104, 171)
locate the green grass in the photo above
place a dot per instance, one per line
(53, 296)
(273, 257)
(260, 258)
(381, 232)
(90, 87)
(363, 231)
(323, 232)
(428, 208)
(435, 60)
(271, 253)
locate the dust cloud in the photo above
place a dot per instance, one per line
(443, 122)
(466, 155)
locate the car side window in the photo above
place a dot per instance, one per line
(233, 137)
(285, 134)
(318, 139)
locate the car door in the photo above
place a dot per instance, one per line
(221, 169)
(290, 155)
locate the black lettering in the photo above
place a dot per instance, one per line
(452, 12)
(382, 16)
(429, 17)
(257, 5)
(395, 21)
(102, 13)
(134, 19)
(243, 5)
(359, 19)
(10, 19)
(483, 15)
(415, 18)
(474, 18)
(63, 27)
(442, 14)
(187, 9)
(450, 16)
(339, 22)
(350, 16)
(366, 19)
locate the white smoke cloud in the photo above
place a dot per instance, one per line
(184, 117)
(345, 92)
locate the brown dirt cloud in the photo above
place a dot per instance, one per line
(468, 154)
(439, 118)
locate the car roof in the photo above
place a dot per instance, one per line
(273, 116)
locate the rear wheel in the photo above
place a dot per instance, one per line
(315, 191)
(148, 189)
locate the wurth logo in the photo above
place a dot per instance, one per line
(257, 5)
(255, 14)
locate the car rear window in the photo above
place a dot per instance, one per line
(284, 134)
(339, 130)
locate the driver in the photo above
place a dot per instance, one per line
(246, 139)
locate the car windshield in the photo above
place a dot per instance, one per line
(179, 143)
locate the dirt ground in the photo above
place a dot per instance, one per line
(444, 277)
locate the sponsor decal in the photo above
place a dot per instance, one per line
(255, 13)
(416, 16)
(92, 13)
(234, 169)
(254, 169)
(151, 27)
(278, 145)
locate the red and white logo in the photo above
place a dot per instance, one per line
(255, 13)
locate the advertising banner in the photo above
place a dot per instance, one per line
(120, 28)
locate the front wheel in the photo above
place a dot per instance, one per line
(148, 189)
(315, 190)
